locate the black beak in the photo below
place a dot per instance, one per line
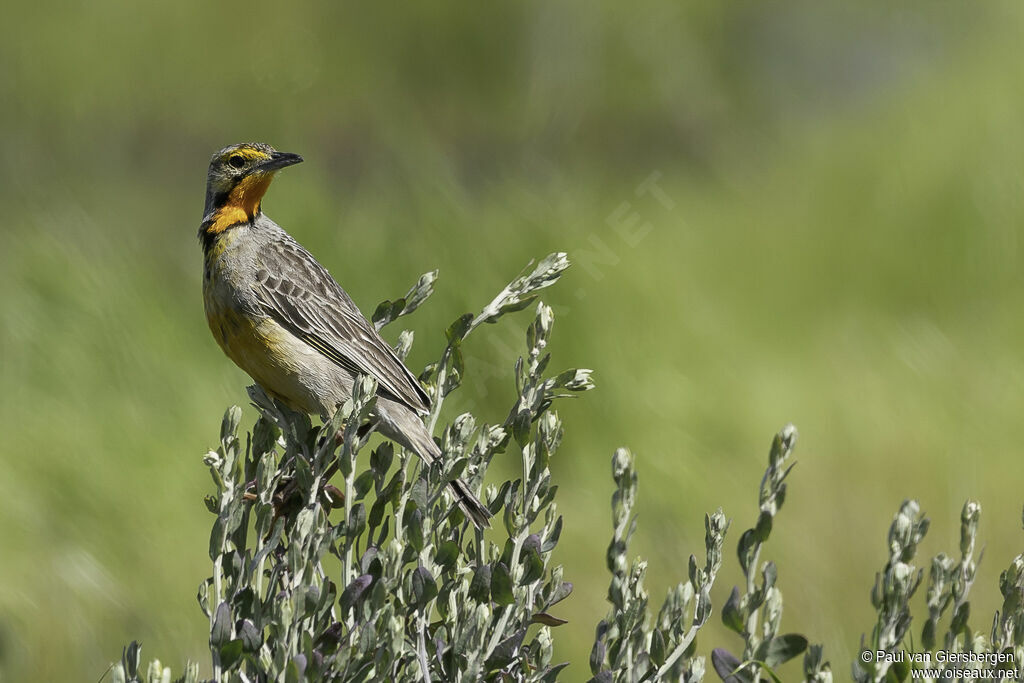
(279, 160)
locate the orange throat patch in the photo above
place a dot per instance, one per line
(243, 203)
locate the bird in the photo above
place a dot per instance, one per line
(283, 319)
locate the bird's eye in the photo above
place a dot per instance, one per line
(237, 161)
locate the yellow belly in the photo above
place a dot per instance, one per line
(282, 364)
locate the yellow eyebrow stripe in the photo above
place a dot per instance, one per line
(248, 153)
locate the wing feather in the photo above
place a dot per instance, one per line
(299, 293)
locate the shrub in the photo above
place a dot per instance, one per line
(331, 568)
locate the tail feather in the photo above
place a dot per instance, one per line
(470, 504)
(405, 427)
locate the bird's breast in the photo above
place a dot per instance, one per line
(280, 362)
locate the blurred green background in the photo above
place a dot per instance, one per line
(835, 241)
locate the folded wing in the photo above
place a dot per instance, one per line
(323, 315)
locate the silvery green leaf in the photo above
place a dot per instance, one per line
(304, 473)
(158, 673)
(456, 368)
(130, 659)
(419, 292)
(352, 593)
(969, 526)
(217, 538)
(550, 675)
(658, 647)
(363, 483)
(725, 664)
(244, 601)
(234, 519)
(480, 587)
(377, 513)
(928, 634)
(546, 619)
(763, 528)
(769, 573)
(696, 578)
(703, 610)
(500, 498)
(414, 528)
(732, 617)
(367, 559)
(501, 585)
(961, 613)
(456, 469)
(381, 458)
(459, 328)
(533, 566)
(745, 550)
(489, 439)
(386, 312)
(404, 344)
(304, 522)
(521, 427)
(420, 493)
(511, 304)
(229, 425)
(783, 648)
(545, 274)
(220, 632)
(264, 436)
(424, 588)
(213, 460)
(389, 311)
(231, 653)
(356, 522)
(296, 669)
(506, 651)
(447, 554)
(519, 293)
(551, 540)
(599, 652)
(560, 592)
(379, 596)
(191, 674)
(545, 318)
(270, 544)
(203, 596)
(575, 379)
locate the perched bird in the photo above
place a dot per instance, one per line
(281, 317)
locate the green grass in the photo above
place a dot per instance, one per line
(842, 254)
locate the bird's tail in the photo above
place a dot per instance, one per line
(409, 431)
(470, 504)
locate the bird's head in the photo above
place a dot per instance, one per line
(239, 176)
